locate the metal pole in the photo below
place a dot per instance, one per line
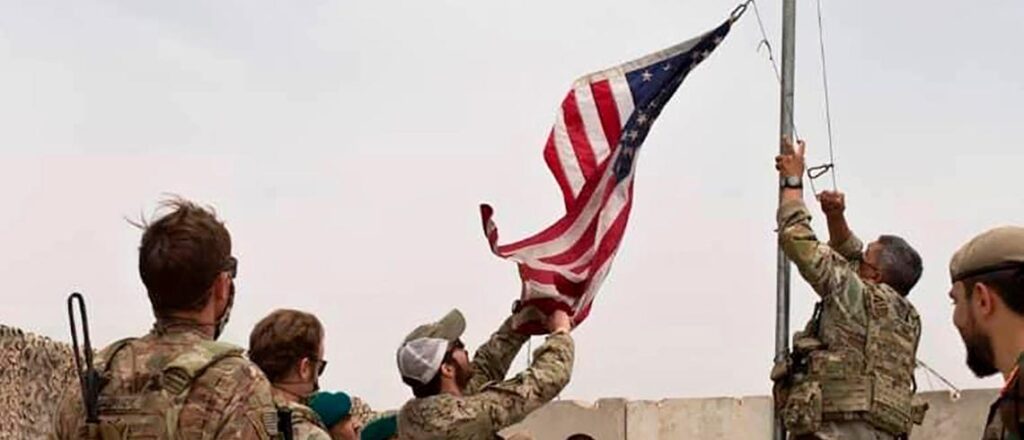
(782, 263)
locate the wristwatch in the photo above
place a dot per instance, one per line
(793, 182)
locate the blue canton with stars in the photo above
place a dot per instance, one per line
(652, 86)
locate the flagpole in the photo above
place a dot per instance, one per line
(786, 128)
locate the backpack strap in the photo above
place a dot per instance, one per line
(178, 374)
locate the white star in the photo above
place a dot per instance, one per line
(646, 75)
(718, 40)
(641, 118)
(667, 67)
(632, 135)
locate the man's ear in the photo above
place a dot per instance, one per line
(447, 370)
(984, 299)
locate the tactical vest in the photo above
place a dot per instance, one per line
(843, 370)
(152, 412)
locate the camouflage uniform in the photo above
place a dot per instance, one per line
(1007, 408)
(851, 375)
(491, 403)
(306, 425)
(229, 398)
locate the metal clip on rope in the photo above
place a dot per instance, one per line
(816, 172)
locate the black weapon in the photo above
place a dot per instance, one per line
(284, 423)
(90, 380)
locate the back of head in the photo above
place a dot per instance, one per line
(282, 339)
(181, 255)
(899, 263)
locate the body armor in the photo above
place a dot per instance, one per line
(150, 410)
(841, 369)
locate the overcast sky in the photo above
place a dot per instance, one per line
(347, 145)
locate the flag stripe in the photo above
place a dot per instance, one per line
(578, 136)
(592, 122)
(566, 155)
(551, 158)
(608, 112)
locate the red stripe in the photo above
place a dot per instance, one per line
(608, 111)
(578, 135)
(551, 157)
(612, 238)
(581, 246)
(573, 212)
(562, 284)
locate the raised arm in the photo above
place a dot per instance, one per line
(493, 359)
(827, 271)
(840, 237)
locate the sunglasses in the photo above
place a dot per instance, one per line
(231, 267)
(322, 365)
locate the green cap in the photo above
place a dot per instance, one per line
(331, 407)
(449, 328)
(380, 429)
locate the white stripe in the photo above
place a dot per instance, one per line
(616, 203)
(566, 155)
(623, 97)
(595, 284)
(592, 122)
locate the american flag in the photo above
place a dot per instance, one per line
(592, 151)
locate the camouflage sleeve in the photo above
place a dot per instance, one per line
(828, 273)
(240, 393)
(508, 402)
(493, 359)
(851, 249)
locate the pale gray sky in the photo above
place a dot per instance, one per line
(347, 145)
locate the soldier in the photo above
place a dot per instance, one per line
(335, 410)
(288, 345)
(987, 275)
(851, 374)
(459, 399)
(177, 381)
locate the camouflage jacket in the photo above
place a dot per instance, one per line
(230, 399)
(1006, 415)
(306, 424)
(491, 403)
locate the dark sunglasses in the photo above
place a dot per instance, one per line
(231, 267)
(322, 365)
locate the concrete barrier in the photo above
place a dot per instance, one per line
(725, 418)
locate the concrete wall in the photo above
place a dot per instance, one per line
(726, 418)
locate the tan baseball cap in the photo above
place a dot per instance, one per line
(996, 249)
(423, 350)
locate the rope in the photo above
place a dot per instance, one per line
(771, 56)
(954, 392)
(828, 106)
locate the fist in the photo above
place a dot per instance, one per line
(559, 320)
(832, 202)
(791, 161)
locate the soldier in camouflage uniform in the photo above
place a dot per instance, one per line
(177, 381)
(288, 345)
(457, 399)
(851, 374)
(987, 274)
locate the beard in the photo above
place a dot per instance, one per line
(980, 358)
(463, 375)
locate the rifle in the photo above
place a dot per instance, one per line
(90, 380)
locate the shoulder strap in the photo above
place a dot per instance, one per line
(108, 354)
(284, 423)
(179, 373)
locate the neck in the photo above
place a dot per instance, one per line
(1007, 349)
(286, 393)
(450, 387)
(182, 321)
